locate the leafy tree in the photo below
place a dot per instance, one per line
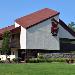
(5, 44)
(72, 25)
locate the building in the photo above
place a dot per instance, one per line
(41, 31)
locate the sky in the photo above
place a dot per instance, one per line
(10, 10)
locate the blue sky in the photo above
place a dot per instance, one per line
(13, 9)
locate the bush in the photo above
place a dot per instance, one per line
(40, 56)
(33, 60)
(41, 60)
(36, 60)
(57, 59)
(49, 60)
(1, 61)
(16, 60)
(70, 60)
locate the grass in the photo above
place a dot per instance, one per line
(37, 69)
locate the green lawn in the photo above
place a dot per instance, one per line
(37, 69)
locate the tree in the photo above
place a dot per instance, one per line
(72, 25)
(5, 44)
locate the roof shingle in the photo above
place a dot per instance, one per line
(7, 28)
(29, 20)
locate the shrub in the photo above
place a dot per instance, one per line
(33, 60)
(1, 61)
(41, 60)
(49, 60)
(40, 56)
(70, 60)
(58, 60)
(16, 60)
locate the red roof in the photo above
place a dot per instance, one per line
(36, 17)
(16, 30)
(7, 28)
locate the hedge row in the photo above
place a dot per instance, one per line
(46, 60)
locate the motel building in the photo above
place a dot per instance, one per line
(40, 32)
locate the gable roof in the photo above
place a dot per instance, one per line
(16, 30)
(6, 29)
(66, 27)
(36, 17)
